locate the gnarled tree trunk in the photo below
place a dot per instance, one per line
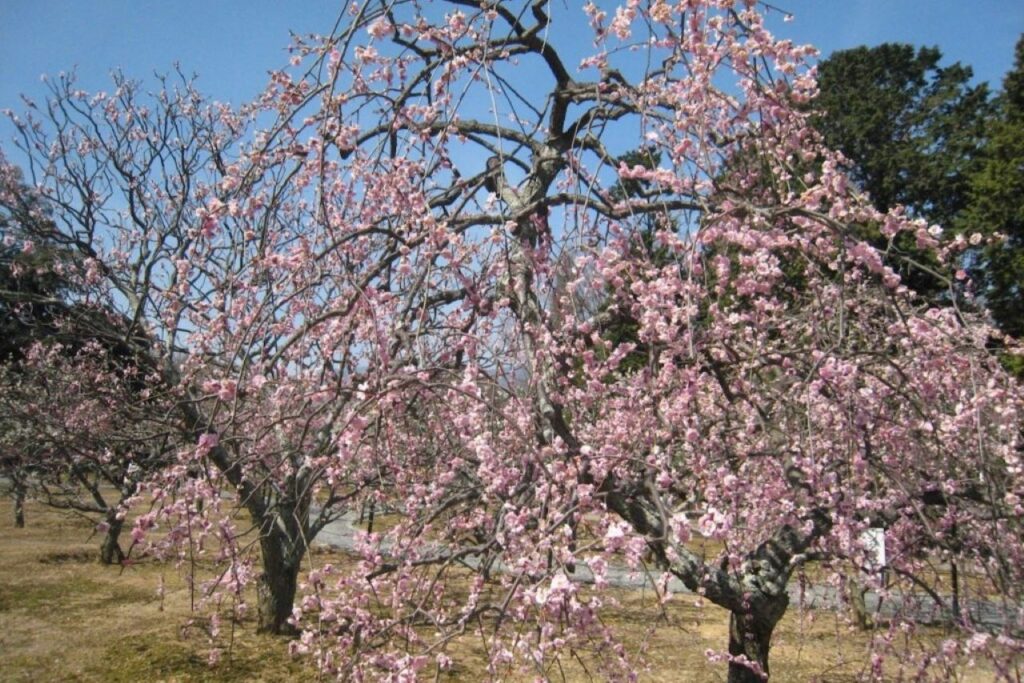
(750, 638)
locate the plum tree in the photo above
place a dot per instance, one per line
(130, 182)
(388, 278)
(81, 433)
(77, 417)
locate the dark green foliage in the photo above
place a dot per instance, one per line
(997, 205)
(911, 128)
(623, 327)
(32, 290)
(912, 131)
(43, 294)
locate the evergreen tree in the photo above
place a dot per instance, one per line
(32, 287)
(912, 131)
(997, 205)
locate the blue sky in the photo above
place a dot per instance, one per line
(232, 43)
(978, 33)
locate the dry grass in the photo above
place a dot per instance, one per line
(63, 617)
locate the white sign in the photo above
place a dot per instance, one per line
(873, 540)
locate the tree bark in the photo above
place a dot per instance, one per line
(859, 606)
(954, 577)
(19, 506)
(278, 584)
(750, 637)
(284, 537)
(110, 549)
(369, 524)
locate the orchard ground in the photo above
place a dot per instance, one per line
(64, 617)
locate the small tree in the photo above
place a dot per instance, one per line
(83, 432)
(47, 330)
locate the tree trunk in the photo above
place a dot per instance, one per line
(750, 637)
(859, 605)
(369, 523)
(954, 575)
(278, 583)
(19, 506)
(110, 549)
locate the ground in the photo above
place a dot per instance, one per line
(64, 617)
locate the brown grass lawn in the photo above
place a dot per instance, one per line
(63, 617)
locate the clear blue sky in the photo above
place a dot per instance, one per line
(232, 43)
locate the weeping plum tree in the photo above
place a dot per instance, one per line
(397, 284)
(793, 394)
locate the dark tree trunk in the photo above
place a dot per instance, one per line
(954, 575)
(277, 584)
(285, 534)
(750, 636)
(110, 549)
(369, 523)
